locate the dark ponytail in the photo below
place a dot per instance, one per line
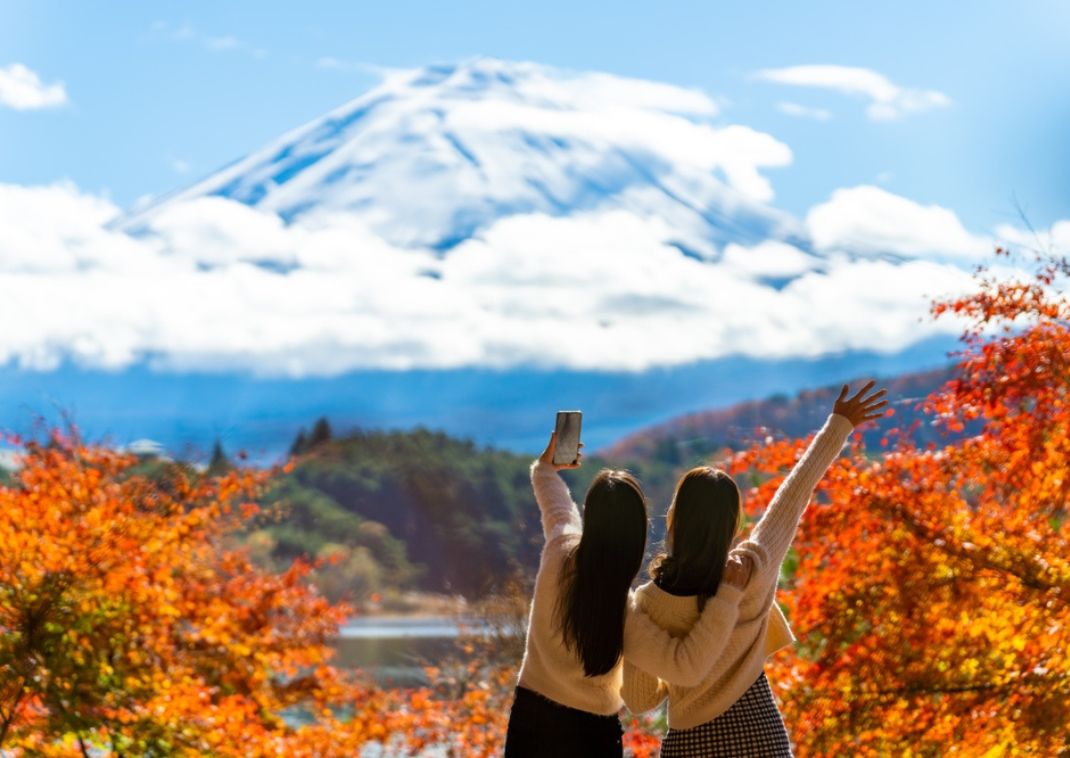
(599, 572)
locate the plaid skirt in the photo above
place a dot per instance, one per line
(751, 727)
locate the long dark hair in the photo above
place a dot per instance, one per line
(600, 569)
(699, 528)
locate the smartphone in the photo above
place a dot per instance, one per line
(567, 449)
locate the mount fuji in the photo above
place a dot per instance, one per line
(469, 247)
(433, 157)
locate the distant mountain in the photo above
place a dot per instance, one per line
(691, 437)
(433, 156)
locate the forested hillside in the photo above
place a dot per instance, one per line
(414, 509)
(394, 510)
(697, 435)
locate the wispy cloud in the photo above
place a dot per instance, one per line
(329, 63)
(216, 43)
(22, 89)
(887, 100)
(804, 111)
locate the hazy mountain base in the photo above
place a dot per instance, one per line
(512, 409)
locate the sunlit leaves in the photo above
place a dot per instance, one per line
(127, 626)
(932, 593)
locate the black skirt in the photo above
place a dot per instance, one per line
(541, 728)
(752, 727)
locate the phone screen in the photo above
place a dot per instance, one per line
(567, 449)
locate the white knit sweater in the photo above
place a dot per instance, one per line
(760, 628)
(554, 671)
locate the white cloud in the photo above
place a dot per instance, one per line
(770, 259)
(871, 220)
(23, 90)
(205, 289)
(887, 100)
(804, 111)
(739, 151)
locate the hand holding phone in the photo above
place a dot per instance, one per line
(567, 438)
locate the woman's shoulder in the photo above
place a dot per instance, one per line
(558, 547)
(650, 596)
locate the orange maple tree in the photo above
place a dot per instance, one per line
(129, 626)
(932, 590)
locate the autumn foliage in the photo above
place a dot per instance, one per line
(932, 592)
(128, 626)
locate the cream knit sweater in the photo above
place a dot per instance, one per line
(552, 670)
(760, 628)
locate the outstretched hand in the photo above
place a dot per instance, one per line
(862, 406)
(547, 457)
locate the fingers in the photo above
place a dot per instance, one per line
(843, 394)
(868, 386)
(876, 395)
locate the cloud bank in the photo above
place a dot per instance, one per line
(216, 285)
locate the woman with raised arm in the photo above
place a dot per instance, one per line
(731, 711)
(583, 617)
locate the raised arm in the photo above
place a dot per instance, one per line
(559, 512)
(682, 660)
(772, 535)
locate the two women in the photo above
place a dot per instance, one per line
(582, 619)
(697, 635)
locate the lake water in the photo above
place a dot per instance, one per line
(394, 650)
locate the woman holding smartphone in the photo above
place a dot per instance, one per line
(582, 618)
(731, 711)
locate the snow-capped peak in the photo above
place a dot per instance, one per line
(434, 156)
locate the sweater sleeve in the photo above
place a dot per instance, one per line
(685, 660)
(559, 514)
(640, 691)
(769, 542)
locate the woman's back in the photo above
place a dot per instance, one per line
(760, 628)
(550, 667)
(757, 633)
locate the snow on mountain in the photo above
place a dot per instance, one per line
(434, 156)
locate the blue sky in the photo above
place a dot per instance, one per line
(900, 137)
(162, 93)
